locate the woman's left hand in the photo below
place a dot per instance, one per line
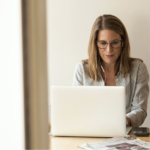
(129, 122)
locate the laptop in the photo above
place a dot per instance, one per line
(88, 111)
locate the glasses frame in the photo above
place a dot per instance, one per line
(110, 44)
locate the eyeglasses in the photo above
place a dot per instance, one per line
(114, 44)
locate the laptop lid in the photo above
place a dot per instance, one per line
(91, 111)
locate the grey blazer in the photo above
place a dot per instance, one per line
(136, 85)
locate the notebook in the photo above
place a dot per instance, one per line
(88, 111)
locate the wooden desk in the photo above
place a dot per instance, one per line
(71, 143)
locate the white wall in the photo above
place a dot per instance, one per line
(69, 27)
(11, 82)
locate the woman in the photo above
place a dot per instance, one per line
(110, 64)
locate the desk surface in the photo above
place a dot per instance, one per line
(71, 143)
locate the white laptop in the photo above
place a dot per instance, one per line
(89, 111)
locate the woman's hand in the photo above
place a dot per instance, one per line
(129, 122)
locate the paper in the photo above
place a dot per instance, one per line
(126, 142)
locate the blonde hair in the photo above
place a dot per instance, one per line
(109, 22)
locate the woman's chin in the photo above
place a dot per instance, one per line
(109, 62)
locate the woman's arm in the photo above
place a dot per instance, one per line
(128, 122)
(139, 104)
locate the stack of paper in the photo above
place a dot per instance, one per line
(126, 142)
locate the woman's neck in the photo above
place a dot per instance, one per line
(109, 68)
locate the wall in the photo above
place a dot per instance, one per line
(11, 78)
(69, 27)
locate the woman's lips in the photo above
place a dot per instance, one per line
(109, 56)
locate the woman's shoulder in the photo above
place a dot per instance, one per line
(79, 68)
(81, 65)
(138, 65)
(135, 62)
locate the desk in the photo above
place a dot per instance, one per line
(71, 143)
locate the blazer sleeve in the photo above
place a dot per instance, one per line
(78, 75)
(140, 100)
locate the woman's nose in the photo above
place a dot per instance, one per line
(109, 48)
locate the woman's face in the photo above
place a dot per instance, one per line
(109, 54)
